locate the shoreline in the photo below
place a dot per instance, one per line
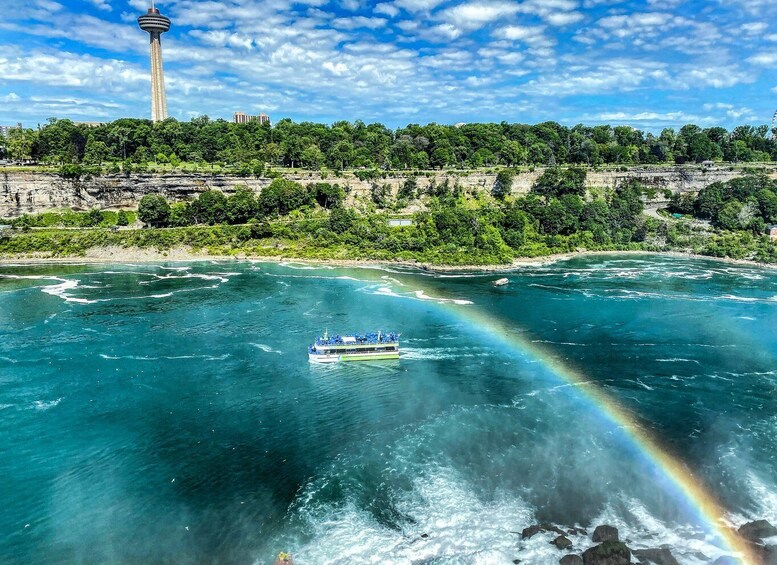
(120, 255)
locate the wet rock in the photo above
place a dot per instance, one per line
(532, 530)
(605, 533)
(758, 530)
(424, 536)
(659, 556)
(516, 561)
(562, 542)
(571, 559)
(577, 531)
(540, 528)
(767, 554)
(608, 553)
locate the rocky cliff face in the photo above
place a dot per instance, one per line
(31, 192)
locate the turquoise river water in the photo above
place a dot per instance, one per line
(167, 413)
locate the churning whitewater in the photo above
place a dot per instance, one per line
(168, 412)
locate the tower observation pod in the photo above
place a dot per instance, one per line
(155, 24)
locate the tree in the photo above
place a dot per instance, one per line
(154, 210)
(181, 215)
(96, 152)
(312, 157)
(682, 203)
(556, 182)
(503, 184)
(122, 219)
(241, 206)
(210, 208)
(409, 189)
(767, 200)
(20, 143)
(728, 217)
(341, 219)
(282, 196)
(328, 195)
(380, 194)
(94, 217)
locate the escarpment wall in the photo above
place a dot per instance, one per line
(33, 192)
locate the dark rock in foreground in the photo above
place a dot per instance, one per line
(660, 556)
(562, 542)
(571, 559)
(605, 533)
(608, 553)
(758, 530)
(540, 528)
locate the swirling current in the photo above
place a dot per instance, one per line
(168, 413)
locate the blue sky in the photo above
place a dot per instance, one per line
(646, 63)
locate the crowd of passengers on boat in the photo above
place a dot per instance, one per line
(367, 339)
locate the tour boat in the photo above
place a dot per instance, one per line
(366, 347)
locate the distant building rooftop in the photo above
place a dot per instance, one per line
(243, 118)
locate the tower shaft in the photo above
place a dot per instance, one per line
(158, 98)
(155, 24)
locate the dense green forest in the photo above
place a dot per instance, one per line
(345, 145)
(454, 228)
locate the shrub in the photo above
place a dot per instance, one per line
(154, 210)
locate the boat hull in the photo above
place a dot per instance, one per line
(366, 356)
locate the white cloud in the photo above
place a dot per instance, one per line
(564, 18)
(764, 59)
(386, 8)
(418, 5)
(477, 13)
(359, 21)
(337, 69)
(102, 5)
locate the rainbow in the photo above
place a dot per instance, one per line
(677, 478)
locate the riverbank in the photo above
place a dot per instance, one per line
(102, 255)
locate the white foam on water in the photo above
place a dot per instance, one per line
(764, 496)
(677, 360)
(459, 525)
(175, 268)
(740, 298)
(463, 528)
(61, 291)
(45, 405)
(643, 385)
(161, 357)
(8, 359)
(221, 277)
(6, 406)
(414, 295)
(421, 295)
(644, 531)
(266, 348)
(304, 266)
(440, 353)
(392, 280)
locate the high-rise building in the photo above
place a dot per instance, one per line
(5, 130)
(243, 118)
(155, 24)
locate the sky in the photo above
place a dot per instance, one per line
(646, 63)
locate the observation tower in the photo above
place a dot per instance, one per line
(155, 24)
